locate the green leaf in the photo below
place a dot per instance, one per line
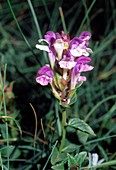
(57, 157)
(80, 158)
(81, 125)
(16, 154)
(82, 136)
(71, 161)
(56, 94)
(103, 153)
(70, 148)
(38, 166)
(59, 166)
(79, 84)
(54, 156)
(73, 99)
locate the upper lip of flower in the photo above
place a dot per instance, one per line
(50, 36)
(44, 75)
(83, 60)
(45, 70)
(85, 35)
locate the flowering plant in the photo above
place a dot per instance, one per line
(68, 59)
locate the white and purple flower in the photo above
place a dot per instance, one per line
(68, 59)
(67, 62)
(44, 76)
(78, 45)
(80, 67)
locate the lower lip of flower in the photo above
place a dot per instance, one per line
(43, 80)
(67, 64)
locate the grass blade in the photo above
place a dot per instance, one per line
(13, 14)
(86, 16)
(63, 20)
(50, 155)
(98, 104)
(5, 112)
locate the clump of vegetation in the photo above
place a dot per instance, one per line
(75, 130)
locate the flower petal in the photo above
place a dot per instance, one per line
(85, 68)
(45, 70)
(85, 35)
(52, 58)
(85, 53)
(44, 75)
(42, 47)
(74, 79)
(41, 40)
(89, 50)
(75, 42)
(94, 158)
(67, 64)
(82, 78)
(43, 80)
(100, 161)
(59, 47)
(76, 52)
(50, 36)
(83, 60)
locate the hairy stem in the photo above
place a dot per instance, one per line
(63, 130)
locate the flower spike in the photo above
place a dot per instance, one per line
(68, 60)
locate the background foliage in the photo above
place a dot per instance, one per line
(19, 32)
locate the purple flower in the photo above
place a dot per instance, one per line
(57, 43)
(80, 67)
(52, 57)
(50, 36)
(81, 78)
(75, 42)
(44, 76)
(68, 59)
(85, 35)
(59, 47)
(67, 62)
(65, 37)
(78, 47)
(83, 60)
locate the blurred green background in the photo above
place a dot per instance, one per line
(22, 23)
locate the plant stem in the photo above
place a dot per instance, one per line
(105, 164)
(63, 130)
(58, 118)
(109, 163)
